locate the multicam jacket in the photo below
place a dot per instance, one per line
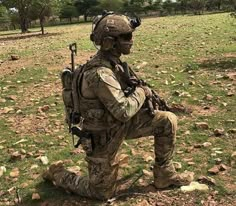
(102, 102)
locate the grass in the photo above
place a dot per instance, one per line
(190, 54)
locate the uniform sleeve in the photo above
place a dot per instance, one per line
(109, 91)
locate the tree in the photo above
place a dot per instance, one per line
(168, 6)
(86, 7)
(4, 17)
(183, 5)
(14, 17)
(23, 7)
(42, 9)
(197, 6)
(68, 11)
(111, 5)
(134, 6)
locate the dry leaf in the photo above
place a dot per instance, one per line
(15, 172)
(44, 160)
(2, 170)
(123, 160)
(35, 196)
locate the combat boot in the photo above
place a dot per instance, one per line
(49, 175)
(165, 176)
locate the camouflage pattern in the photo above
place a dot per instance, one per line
(111, 117)
(111, 26)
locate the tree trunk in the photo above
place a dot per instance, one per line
(23, 25)
(41, 25)
(23, 22)
(85, 17)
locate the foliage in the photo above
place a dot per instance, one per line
(28, 10)
(14, 18)
(86, 7)
(111, 5)
(23, 8)
(42, 9)
(68, 10)
(4, 16)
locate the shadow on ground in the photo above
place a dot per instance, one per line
(226, 63)
(26, 36)
(53, 196)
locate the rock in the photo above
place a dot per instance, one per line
(218, 152)
(35, 166)
(201, 125)
(194, 186)
(143, 203)
(206, 180)
(218, 160)
(224, 104)
(233, 159)
(230, 94)
(45, 108)
(214, 170)
(44, 160)
(2, 170)
(16, 156)
(187, 132)
(148, 159)
(232, 131)
(35, 196)
(222, 167)
(147, 173)
(15, 172)
(206, 144)
(208, 97)
(219, 132)
(15, 57)
(198, 145)
(230, 121)
(2, 100)
(176, 93)
(7, 110)
(216, 149)
(177, 165)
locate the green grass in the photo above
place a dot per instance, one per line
(191, 54)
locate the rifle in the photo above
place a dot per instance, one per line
(73, 49)
(155, 101)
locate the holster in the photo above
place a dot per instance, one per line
(85, 139)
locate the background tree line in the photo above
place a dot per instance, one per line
(20, 13)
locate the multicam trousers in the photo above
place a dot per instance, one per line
(102, 164)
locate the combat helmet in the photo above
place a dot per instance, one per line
(110, 25)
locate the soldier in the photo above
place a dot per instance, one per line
(111, 115)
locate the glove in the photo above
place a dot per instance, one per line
(147, 90)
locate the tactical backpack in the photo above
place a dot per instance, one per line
(71, 78)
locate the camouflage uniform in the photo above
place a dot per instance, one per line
(115, 117)
(111, 117)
